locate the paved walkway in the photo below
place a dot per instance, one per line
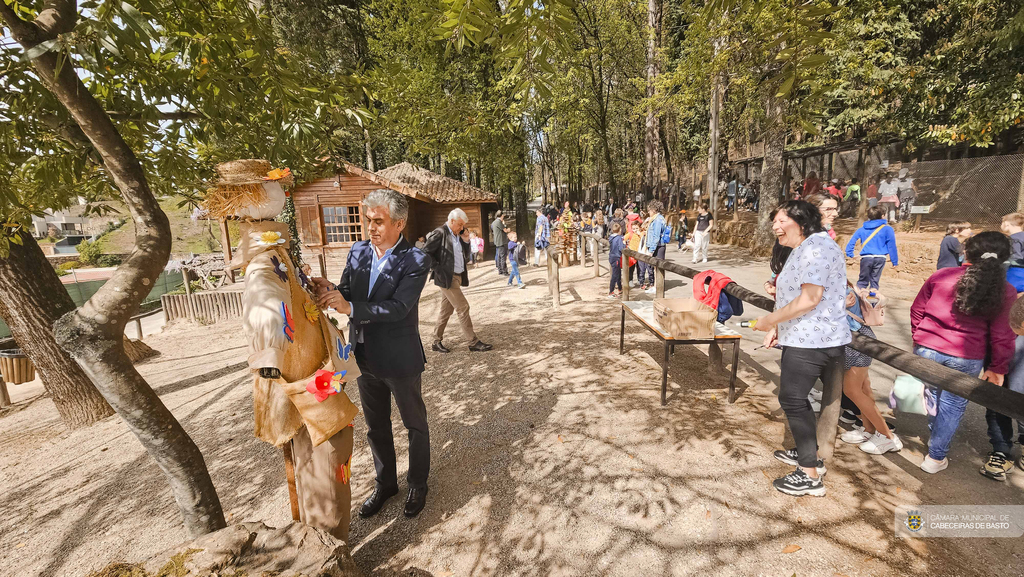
(551, 455)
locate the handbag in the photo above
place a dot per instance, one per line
(910, 395)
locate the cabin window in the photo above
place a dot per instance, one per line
(342, 224)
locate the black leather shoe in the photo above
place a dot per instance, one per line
(439, 347)
(415, 502)
(480, 347)
(375, 502)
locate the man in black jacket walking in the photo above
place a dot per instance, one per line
(449, 252)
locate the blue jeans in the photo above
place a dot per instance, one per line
(1000, 427)
(658, 252)
(616, 280)
(951, 407)
(514, 269)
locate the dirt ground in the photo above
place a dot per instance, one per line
(551, 455)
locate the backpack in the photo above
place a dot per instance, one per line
(666, 234)
(520, 254)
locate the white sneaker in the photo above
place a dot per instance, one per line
(879, 444)
(855, 437)
(814, 395)
(705, 260)
(650, 291)
(930, 465)
(815, 405)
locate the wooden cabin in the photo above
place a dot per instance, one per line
(329, 212)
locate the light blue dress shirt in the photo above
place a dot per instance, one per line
(460, 259)
(377, 264)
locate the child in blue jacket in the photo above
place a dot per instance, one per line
(878, 240)
(615, 260)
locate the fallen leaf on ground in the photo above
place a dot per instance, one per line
(561, 439)
(612, 438)
(791, 549)
(707, 514)
(765, 474)
(632, 457)
(19, 545)
(898, 490)
(840, 575)
(478, 482)
(798, 520)
(714, 397)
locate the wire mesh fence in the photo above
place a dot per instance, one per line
(979, 190)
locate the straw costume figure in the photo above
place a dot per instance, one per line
(567, 228)
(300, 361)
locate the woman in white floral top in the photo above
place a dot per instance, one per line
(810, 324)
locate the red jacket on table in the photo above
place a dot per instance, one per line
(713, 293)
(937, 325)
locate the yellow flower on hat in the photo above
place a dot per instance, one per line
(270, 238)
(278, 174)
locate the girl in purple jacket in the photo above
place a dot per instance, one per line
(959, 318)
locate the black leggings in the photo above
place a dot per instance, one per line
(801, 368)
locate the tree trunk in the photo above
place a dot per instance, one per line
(713, 135)
(94, 333)
(771, 177)
(651, 128)
(371, 161)
(29, 282)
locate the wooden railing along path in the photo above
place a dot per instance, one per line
(973, 389)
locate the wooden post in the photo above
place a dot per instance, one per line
(185, 274)
(323, 265)
(138, 327)
(225, 242)
(831, 397)
(553, 281)
(597, 260)
(917, 222)
(289, 472)
(5, 397)
(715, 364)
(625, 277)
(659, 282)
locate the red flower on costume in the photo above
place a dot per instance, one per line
(326, 383)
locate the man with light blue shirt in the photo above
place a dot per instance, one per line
(380, 291)
(448, 248)
(654, 244)
(542, 238)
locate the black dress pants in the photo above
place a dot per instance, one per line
(375, 395)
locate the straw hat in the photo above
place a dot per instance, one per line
(240, 184)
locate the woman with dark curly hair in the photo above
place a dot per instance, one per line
(810, 323)
(960, 318)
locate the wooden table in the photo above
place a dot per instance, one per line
(643, 311)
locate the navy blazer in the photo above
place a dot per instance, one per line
(384, 323)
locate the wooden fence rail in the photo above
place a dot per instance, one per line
(973, 389)
(203, 306)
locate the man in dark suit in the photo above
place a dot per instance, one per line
(380, 292)
(448, 249)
